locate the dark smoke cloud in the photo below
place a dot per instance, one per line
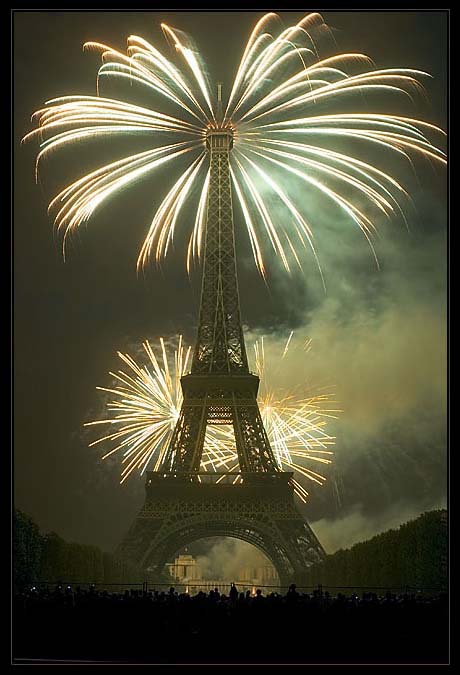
(380, 338)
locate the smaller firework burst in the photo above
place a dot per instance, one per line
(147, 400)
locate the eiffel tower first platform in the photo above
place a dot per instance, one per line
(183, 504)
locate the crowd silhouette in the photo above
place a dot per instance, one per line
(166, 626)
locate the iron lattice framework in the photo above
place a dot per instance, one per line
(220, 389)
(220, 346)
(180, 505)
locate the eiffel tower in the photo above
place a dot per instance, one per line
(183, 504)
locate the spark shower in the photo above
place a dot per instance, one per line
(288, 109)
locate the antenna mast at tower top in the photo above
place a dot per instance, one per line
(220, 113)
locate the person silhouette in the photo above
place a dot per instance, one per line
(233, 593)
(292, 595)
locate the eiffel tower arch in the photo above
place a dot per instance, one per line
(256, 504)
(259, 510)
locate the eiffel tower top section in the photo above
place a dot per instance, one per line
(219, 139)
(219, 348)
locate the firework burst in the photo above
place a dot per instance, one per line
(146, 403)
(289, 112)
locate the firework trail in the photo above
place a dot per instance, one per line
(289, 112)
(146, 403)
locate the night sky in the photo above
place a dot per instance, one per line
(379, 336)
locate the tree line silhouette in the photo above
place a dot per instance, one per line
(48, 557)
(414, 555)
